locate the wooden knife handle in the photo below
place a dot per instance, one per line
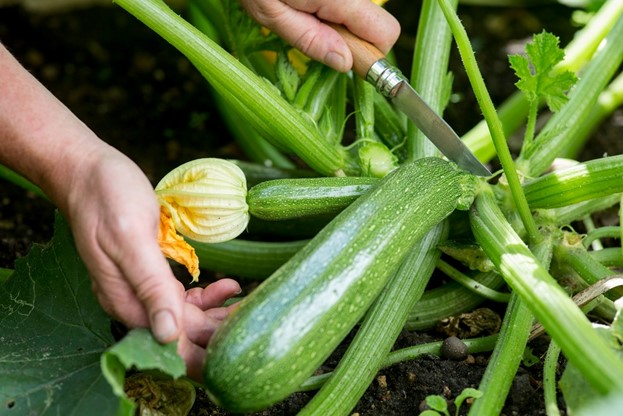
(364, 53)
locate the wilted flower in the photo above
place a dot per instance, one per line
(174, 247)
(206, 199)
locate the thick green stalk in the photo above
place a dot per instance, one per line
(505, 360)
(508, 352)
(258, 101)
(576, 212)
(315, 92)
(582, 182)
(555, 137)
(608, 101)
(549, 303)
(251, 142)
(335, 113)
(379, 330)
(513, 111)
(391, 127)
(257, 148)
(429, 71)
(363, 100)
(583, 46)
(493, 121)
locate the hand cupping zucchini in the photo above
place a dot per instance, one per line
(291, 323)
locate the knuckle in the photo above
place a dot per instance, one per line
(307, 42)
(153, 288)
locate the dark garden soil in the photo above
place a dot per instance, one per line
(143, 97)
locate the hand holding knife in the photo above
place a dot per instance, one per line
(370, 64)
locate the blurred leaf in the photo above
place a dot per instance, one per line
(578, 393)
(5, 274)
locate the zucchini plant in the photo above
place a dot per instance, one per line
(349, 215)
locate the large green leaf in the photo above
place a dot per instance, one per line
(52, 333)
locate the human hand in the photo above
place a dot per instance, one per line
(203, 314)
(113, 213)
(299, 22)
(114, 217)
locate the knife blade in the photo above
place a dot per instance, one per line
(370, 64)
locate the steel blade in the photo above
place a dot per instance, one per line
(407, 100)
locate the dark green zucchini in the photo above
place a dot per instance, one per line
(289, 325)
(246, 258)
(282, 199)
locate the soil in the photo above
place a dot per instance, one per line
(139, 94)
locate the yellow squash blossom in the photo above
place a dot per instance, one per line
(204, 200)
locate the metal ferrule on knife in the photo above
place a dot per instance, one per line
(385, 77)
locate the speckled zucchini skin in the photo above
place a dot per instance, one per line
(290, 324)
(282, 199)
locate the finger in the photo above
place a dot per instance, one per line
(362, 17)
(193, 355)
(151, 278)
(297, 22)
(303, 31)
(199, 326)
(213, 295)
(120, 302)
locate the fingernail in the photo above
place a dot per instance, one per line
(335, 61)
(164, 326)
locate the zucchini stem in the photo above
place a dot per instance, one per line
(471, 284)
(550, 304)
(492, 119)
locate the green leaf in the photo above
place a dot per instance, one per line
(438, 403)
(140, 351)
(53, 332)
(535, 72)
(466, 394)
(529, 359)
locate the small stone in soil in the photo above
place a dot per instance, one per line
(453, 349)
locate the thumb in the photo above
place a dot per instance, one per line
(160, 293)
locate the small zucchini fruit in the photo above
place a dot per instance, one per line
(283, 331)
(282, 199)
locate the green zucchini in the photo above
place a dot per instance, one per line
(378, 330)
(246, 258)
(292, 322)
(282, 199)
